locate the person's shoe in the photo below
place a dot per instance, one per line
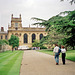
(57, 64)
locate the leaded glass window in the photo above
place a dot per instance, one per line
(6, 37)
(1, 37)
(33, 37)
(41, 35)
(25, 38)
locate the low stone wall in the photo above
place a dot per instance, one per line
(4, 48)
(0, 51)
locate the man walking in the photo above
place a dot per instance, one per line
(56, 52)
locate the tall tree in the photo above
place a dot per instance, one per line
(64, 25)
(68, 27)
(14, 41)
(53, 37)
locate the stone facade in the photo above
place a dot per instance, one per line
(26, 34)
(3, 34)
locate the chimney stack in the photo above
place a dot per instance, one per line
(2, 29)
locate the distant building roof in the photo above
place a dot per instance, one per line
(28, 29)
(3, 32)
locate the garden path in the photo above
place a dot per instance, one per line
(37, 63)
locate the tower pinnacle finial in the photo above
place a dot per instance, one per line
(12, 16)
(20, 15)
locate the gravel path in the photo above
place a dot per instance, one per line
(37, 63)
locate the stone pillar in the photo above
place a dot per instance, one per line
(30, 38)
(22, 38)
(37, 36)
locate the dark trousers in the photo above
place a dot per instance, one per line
(63, 58)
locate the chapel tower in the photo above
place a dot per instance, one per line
(15, 23)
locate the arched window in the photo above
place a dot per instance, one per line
(33, 37)
(41, 35)
(25, 38)
(1, 37)
(6, 37)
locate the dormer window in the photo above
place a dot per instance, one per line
(16, 25)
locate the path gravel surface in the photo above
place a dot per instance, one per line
(37, 63)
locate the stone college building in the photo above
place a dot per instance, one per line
(26, 35)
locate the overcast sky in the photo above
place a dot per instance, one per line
(43, 9)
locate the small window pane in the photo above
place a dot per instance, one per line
(6, 37)
(16, 24)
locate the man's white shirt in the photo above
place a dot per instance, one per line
(56, 49)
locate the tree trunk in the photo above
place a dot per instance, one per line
(12, 49)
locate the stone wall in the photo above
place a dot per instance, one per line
(4, 48)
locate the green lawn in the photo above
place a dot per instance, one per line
(10, 62)
(70, 54)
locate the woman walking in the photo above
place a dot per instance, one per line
(63, 51)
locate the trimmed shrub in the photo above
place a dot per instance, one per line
(43, 47)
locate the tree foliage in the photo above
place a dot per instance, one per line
(61, 26)
(40, 44)
(14, 41)
(71, 1)
(2, 42)
(35, 43)
(67, 25)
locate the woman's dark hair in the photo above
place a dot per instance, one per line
(56, 45)
(63, 47)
